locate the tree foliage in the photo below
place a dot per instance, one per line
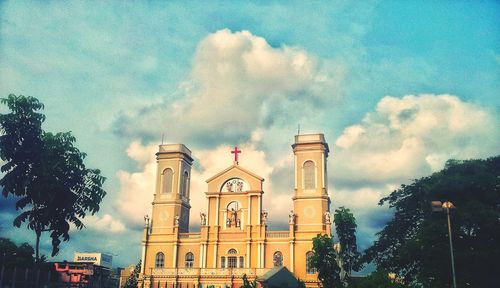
(16, 256)
(325, 261)
(133, 278)
(414, 244)
(45, 171)
(377, 279)
(345, 226)
(247, 283)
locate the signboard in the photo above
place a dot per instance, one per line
(100, 259)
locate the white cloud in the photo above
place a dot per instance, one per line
(104, 223)
(137, 188)
(412, 136)
(403, 139)
(238, 82)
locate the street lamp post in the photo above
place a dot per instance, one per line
(437, 206)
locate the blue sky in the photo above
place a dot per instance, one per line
(397, 87)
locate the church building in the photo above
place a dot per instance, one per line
(234, 239)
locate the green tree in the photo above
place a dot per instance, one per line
(247, 283)
(345, 226)
(324, 261)
(16, 256)
(414, 244)
(377, 279)
(133, 278)
(46, 172)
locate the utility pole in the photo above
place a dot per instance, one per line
(448, 205)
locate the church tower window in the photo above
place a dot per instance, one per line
(185, 184)
(278, 259)
(189, 260)
(159, 260)
(242, 262)
(309, 175)
(167, 180)
(309, 268)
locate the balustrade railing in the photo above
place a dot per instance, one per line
(237, 272)
(277, 234)
(189, 235)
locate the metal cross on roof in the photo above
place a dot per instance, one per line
(235, 152)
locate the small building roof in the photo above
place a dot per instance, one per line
(279, 277)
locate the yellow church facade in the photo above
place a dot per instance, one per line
(233, 239)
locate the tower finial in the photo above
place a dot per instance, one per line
(298, 129)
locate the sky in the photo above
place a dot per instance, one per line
(396, 87)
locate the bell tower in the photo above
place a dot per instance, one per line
(171, 199)
(311, 202)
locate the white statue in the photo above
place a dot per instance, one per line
(203, 217)
(176, 220)
(291, 217)
(264, 217)
(328, 220)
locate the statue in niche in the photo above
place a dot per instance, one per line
(176, 220)
(203, 218)
(228, 222)
(238, 223)
(234, 215)
(263, 216)
(291, 217)
(328, 220)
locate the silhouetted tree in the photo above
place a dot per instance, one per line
(46, 172)
(325, 261)
(345, 226)
(133, 278)
(414, 244)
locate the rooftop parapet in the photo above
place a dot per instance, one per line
(309, 138)
(176, 148)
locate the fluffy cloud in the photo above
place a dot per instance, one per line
(405, 138)
(238, 82)
(104, 223)
(137, 188)
(412, 136)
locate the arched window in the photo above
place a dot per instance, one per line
(222, 262)
(309, 268)
(185, 184)
(278, 259)
(232, 261)
(189, 260)
(167, 180)
(309, 175)
(159, 260)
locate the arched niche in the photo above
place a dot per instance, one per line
(234, 185)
